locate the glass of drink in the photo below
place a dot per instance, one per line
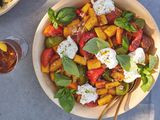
(12, 50)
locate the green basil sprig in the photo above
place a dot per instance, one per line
(123, 23)
(63, 16)
(70, 66)
(124, 61)
(61, 80)
(66, 98)
(146, 77)
(153, 60)
(128, 15)
(66, 15)
(52, 16)
(140, 22)
(146, 73)
(95, 45)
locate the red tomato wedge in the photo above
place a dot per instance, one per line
(136, 41)
(93, 75)
(46, 56)
(91, 104)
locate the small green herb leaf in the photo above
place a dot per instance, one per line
(140, 22)
(153, 60)
(106, 75)
(69, 66)
(146, 77)
(52, 17)
(66, 99)
(128, 15)
(83, 78)
(124, 61)
(59, 93)
(95, 45)
(66, 15)
(125, 46)
(67, 102)
(53, 41)
(148, 81)
(61, 80)
(123, 23)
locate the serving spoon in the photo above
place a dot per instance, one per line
(115, 100)
(126, 106)
(129, 93)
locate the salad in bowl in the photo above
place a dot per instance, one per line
(95, 52)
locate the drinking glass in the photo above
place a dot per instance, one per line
(12, 50)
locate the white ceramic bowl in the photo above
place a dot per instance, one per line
(49, 88)
(8, 7)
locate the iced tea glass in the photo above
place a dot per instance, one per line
(12, 50)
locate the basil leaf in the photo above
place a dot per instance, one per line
(120, 51)
(125, 43)
(128, 15)
(140, 22)
(59, 93)
(123, 23)
(83, 78)
(125, 46)
(66, 99)
(52, 17)
(153, 60)
(69, 66)
(147, 82)
(72, 91)
(53, 41)
(95, 45)
(124, 61)
(61, 80)
(67, 102)
(146, 77)
(106, 75)
(66, 15)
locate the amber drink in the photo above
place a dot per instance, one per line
(11, 51)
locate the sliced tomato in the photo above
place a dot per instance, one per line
(50, 31)
(54, 57)
(146, 43)
(136, 41)
(113, 15)
(46, 56)
(78, 11)
(91, 104)
(94, 74)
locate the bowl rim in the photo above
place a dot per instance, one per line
(120, 113)
(8, 7)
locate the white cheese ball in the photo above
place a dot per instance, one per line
(88, 93)
(68, 48)
(138, 56)
(107, 56)
(103, 6)
(132, 74)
